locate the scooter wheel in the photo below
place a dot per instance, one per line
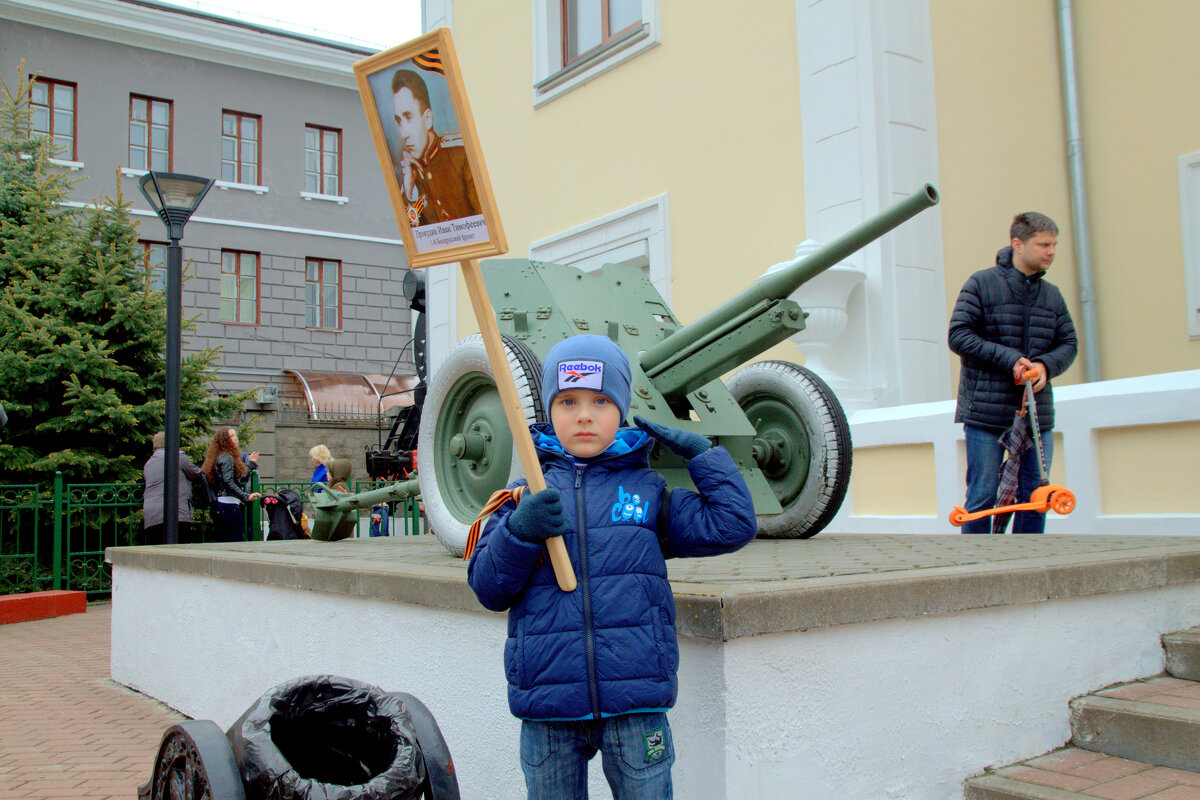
(958, 516)
(1063, 502)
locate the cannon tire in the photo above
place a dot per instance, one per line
(796, 414)
(463, 401)
(195, 761)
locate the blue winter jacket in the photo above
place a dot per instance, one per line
(609, 647)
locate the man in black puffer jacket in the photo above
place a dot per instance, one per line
(1009, 319)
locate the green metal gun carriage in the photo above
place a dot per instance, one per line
(782, 424)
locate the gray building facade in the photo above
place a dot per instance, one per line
(296, 264)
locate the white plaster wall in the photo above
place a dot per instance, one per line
(903, 708)
(910, 708)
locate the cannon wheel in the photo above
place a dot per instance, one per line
(195, 761)
(802, 444)
(465, 446)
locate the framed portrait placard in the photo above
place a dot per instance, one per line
(429, 152)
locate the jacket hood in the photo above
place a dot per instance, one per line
(339, 470)
(628, 441)
(1004, 261)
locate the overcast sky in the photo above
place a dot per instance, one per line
(365, 22)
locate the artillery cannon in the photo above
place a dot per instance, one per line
(336, 513)
(782, 424)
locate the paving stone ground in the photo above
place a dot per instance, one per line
(67, 731)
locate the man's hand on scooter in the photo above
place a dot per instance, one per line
(1025, 369)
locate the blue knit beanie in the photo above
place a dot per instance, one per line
(587, 362)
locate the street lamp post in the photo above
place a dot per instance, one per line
(175, 198)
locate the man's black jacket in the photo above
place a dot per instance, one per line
(1002, 314)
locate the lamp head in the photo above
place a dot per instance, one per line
(174, 197)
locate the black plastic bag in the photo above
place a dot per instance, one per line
(325, 737)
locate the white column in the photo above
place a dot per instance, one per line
(870, 139)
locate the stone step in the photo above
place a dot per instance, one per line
(1183, 653)
(1075, 774)
(1156, 720)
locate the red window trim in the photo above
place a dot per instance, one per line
(321, 161)
(322, 262)
(52, 82)
(257, 286)
(258, 142)
(150, 101)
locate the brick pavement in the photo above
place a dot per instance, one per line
(67, 731)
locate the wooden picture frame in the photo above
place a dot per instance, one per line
(429, 152)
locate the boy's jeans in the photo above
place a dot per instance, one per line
(984, 456)
(636, 749)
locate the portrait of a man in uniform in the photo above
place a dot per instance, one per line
(432, 169)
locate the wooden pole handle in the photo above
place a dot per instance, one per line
(486, 317)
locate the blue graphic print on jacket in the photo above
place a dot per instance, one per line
(610, 646)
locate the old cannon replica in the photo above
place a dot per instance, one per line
(782, 423)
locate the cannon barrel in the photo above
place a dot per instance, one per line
(778, 284)
(334, 514)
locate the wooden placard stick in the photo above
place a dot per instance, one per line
(564, 573)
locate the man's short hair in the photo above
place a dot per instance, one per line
(1031, 223)
(407, 79)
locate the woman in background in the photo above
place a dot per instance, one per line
(228, 472)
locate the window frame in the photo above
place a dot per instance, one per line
(1189, 214)
(552, 77)
(606, 39)
(240, 162)
(51, 83)
(150, 101)
(238, 285)
(321, 130)
(321, 262)
(146, 245)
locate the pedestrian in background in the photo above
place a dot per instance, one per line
(321, 457)
(228, 473)
(1010, 320)
(152, 498)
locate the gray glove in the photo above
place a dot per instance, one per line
(681, 443)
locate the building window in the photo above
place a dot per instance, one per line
(574, 41)
(149, 133)
(322, 294)
(53, 107)
(239, 147)
(239, 287)
(154, 260)
(589, 25)
(322, 160)
(1189, 208)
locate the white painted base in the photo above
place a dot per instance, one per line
(897, 709)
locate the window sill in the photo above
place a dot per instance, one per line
(328, 198)
(241, 187)
(324, 330)
(130, 172)
(74, 166)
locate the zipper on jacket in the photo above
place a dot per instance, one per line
(589, 632)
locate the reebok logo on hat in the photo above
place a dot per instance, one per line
(581, 374)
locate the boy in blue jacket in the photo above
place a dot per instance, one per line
(594, 669)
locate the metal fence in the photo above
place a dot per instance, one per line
(55, 538)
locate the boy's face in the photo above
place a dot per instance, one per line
(584, 421)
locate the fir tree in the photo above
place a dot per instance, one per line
(82, 334)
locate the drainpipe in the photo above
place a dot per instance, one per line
(1079, 212)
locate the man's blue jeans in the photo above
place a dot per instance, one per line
(984, 457)
(636, 749)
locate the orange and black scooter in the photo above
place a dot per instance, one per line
(1048, 495)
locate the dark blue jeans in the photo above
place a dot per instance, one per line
(984, 456)
(228, 516)
(636, 749)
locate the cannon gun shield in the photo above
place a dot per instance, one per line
(470, 451)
